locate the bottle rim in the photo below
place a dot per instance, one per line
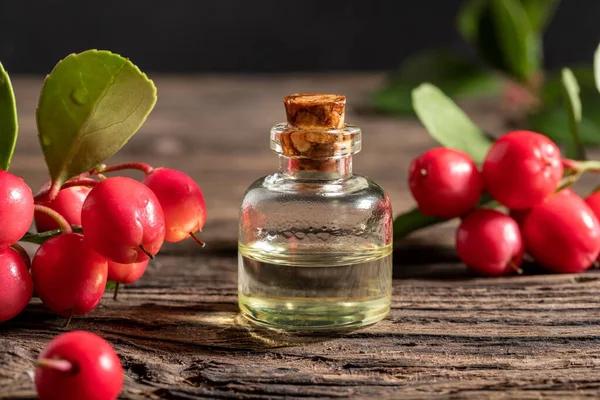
(295, 142)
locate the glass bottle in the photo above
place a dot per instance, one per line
(315, 240)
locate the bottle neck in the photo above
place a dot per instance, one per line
(325, 169)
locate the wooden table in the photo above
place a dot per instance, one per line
(178, 331)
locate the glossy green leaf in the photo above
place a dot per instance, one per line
(468, 20)
(413, 220)
(517, 40)
(9, 126)
(553, 120)
(573, 104)
(552, 91)
(456, 76)
(90, 105)
(539, 12)
(447, 123)
(597, 68)
(503, 36)
(555, 124)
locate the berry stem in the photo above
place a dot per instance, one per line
(19, 249)
(59, 219)
(515, 267)
(568, 181)
(116, 290)
(581, 166)
(51, 193)
(147, 252)
(145, 168)
(66, 325)
(79, 182)
(55, 364)
(200, 242)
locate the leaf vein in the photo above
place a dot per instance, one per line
(118, 122)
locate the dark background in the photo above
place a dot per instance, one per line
(259, 36)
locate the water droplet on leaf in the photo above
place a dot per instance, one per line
(46, 140)
(80, 96)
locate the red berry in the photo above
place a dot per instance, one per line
(67, 203)
(122, 220)
(16, 208)
(181, 200)
(16, 286)
(68, 275)
(593, 202)
(562, 233)
(126, 273)
(78, 365)
(444, 182)
(489, 243)
(521, 169)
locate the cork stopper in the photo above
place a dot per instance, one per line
(315, 137)
(315, 111)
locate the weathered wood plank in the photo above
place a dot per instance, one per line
(179, 335)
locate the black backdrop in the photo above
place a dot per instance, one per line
(258, 35)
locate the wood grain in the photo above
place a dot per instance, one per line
(180, 336)
(178, 333)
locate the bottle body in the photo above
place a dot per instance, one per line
(315, 253)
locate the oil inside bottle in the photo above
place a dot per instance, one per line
(314, 290)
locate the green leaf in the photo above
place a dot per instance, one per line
(448, 124)
(573, 103)
(539, 12)
(517, 40)
(553, 121)
(455, 75)
(555, 124)
(597, 68)
(9, 126)
(411, 221)
(468, 19)
(90, 105)
(503, 36)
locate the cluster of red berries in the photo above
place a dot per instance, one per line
(522, 171)
(124, 224)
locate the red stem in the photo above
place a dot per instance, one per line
(59, 219)
(80, 182)
(19, 249)
(52, 192)
(145, 168)
(581, 166)
(570, 164)
(55, 364)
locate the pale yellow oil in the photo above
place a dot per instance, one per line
(315, 290)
